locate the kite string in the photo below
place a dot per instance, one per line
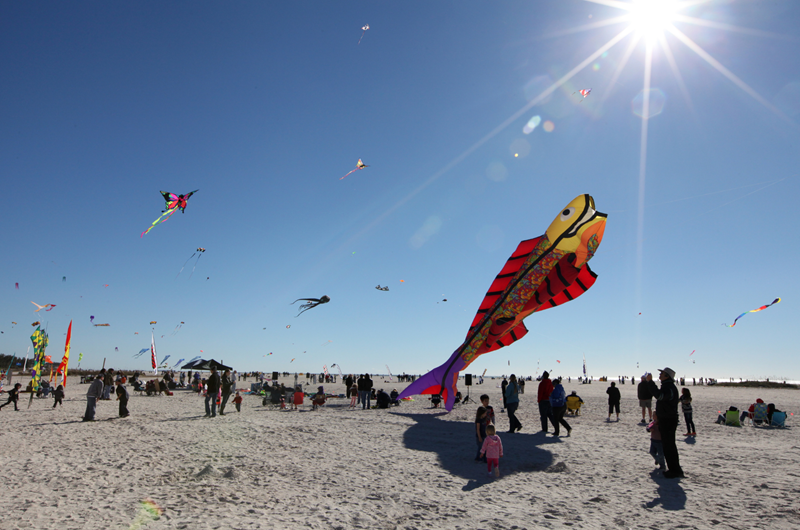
(184, 265)
(195, 264)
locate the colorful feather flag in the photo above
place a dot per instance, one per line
(153, 353)
(62, 368)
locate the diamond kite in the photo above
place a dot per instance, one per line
(541, 273)
(763, 307)
(585, 92)
(359, 165)
(174, 203)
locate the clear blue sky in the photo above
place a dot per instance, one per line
(263, 106)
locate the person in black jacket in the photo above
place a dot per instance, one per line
(613, 400)
(645, 400)
(348, 382)
(227, 385)
(211, 393)
(365, 391)
(667, 399)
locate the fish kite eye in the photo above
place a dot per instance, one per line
(567, 213)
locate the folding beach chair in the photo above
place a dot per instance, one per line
(778, 419)
(759, 416)
(732, 418)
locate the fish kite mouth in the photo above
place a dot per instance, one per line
(590, 215)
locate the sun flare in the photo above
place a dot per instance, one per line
(650, 18)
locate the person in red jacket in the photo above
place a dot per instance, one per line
(545, 410)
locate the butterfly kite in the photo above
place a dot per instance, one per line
(763, 307)
(199, 252)
(541, 273)
(174, 203)
(359, 165)
(378, 287)
(311, 303)
(365, 28)
(585, 92)
(46, 307)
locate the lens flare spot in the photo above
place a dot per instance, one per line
(520, 148)
(549, 126)
(596, 66)
(536, 86)
(788, 99)
(496, 171)
(532, 124)
(429, 228)
(656, 106)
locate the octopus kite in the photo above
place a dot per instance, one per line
(763, 307)
(174, 203)
(541, 273)
(311, 303)
(359, 165)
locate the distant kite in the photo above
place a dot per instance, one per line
(174, 203)
(91, 319)
(63, 278)
(312, 303)
(46, 307)
(153, 322)
(102, 325)
(365, 28)
(199, 252)
(585, 92)
(763, 307)
(35, 323)
(116, 349)
(17, 285)
(378, 287)
(359, 165)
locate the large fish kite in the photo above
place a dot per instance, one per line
(541, 273)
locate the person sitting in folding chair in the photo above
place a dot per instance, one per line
(731, 417)
(574, 403)
(319, 399)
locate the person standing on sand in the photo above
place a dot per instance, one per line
(94, 393)
(108, 382)
(122, 397)
(512, 402)
(211, 393)
(348, 382)
(545, 410)
(558, 403)
(667, 400)
(645, 399)
(613, 400)
(227, 385)
(364, 391)
(503, 387)
(58, 396)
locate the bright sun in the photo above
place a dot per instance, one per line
(651, 17)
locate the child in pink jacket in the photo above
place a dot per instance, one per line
(493, 448)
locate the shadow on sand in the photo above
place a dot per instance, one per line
(670, 494)
(455, 445)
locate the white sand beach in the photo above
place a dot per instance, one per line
(408, 467)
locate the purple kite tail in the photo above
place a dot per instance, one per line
(431, 383)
